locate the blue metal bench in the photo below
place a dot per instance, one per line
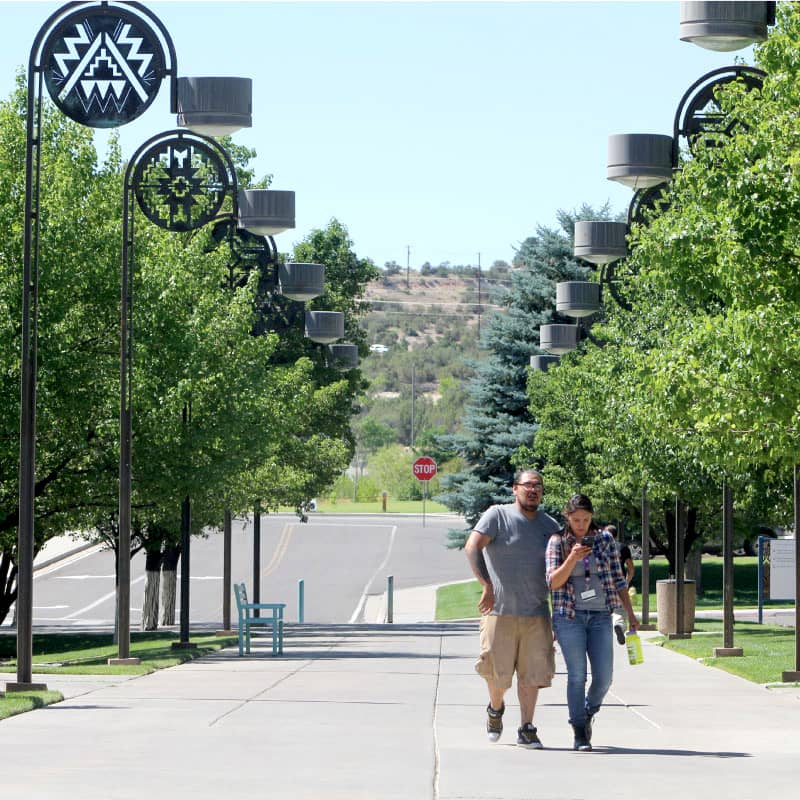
(248, 620)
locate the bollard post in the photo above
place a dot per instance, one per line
(384, 495)
(390, 599)
(301, 598)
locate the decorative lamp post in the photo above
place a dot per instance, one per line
(725, 26)
(645, 161)
(102, 64)
(642, 161)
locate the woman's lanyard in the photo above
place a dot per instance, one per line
(588, 593)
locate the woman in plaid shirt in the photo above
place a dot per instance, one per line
(586, 584)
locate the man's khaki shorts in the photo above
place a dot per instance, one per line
(516, 644)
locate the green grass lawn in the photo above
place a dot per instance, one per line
(88, 653)
(768, 649)
(343, 506)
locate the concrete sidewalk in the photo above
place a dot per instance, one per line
(367, 711)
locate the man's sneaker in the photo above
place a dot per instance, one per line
(620, 633)
(527, 737)
(494, 722)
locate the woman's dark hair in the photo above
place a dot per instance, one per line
(579, 502)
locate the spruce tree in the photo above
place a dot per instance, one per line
(499, 420)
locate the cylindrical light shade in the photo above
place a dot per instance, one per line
(577, 298)
(301, 281)
(558, 339)
(639, 160)
(543, 363)
(215, 106)
(724, 26)
(600, 242)
(324, 327)
(343, 356)
(266, 212)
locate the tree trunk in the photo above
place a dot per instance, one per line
(169, 570)
(152, 582)
(693, 570)
(690, 536)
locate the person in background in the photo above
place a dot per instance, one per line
(506, 553)
(586, 582)
(626, 560)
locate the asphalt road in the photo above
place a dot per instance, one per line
(341, 560)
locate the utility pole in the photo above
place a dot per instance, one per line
(408, 266)
(413, 398)
(479, 296)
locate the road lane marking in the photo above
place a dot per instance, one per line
(96, 603)
(280, 550)
(362, 602)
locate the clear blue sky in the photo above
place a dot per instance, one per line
(453, 128)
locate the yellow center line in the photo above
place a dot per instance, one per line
(280, 550)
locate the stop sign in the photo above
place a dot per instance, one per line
(424, 468)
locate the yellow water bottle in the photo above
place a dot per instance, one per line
(634, 646)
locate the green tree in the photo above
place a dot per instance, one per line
(78, 312)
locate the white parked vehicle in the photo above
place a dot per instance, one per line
(378, 348)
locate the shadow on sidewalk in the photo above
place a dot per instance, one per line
(655, 751)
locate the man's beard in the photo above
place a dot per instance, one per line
(529, 505)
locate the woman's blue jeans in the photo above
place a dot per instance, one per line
(589, 634)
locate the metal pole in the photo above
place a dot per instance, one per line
(727, 565)
(794, 675)
(679, 577)
(390, 598)
(301, 600)
(257, 556)
(125, 405)
(761, 540)
(28, 359)
(796, 568)
(424, 497)
(226, 571)
(186, 537)
(645, 558)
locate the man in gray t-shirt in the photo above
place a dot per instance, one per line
(506, 552)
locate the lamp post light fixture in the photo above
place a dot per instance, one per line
(557, 338)
(102, 65)
(639, 160)
(725, 26)
(543, 363)
(324, 327)
(266, 212)
(215, 106)
(343, 356)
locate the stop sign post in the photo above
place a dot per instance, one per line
(424, 469)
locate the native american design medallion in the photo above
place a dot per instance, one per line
(103, 66)
(181, 183)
